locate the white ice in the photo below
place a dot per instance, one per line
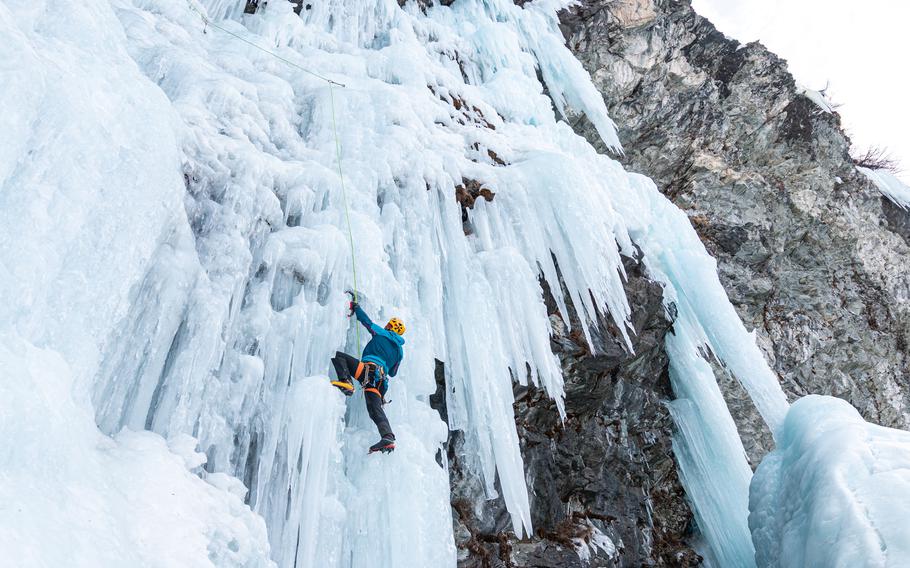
(593, 543)
(712, 463)
(835, 492)
(891, 187)
(89, 189)
(271, 236)
(818, 97)
(75, 497)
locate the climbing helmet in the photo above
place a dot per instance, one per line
(395, 325)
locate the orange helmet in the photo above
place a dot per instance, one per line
(395, 325)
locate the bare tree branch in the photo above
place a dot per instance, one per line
(876, 158)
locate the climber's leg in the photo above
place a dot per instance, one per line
(346, 367)
(374, 394)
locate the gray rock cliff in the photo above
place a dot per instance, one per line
(811, 254)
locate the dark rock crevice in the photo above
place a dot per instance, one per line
(606, 470)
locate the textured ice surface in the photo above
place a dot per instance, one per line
(219, 351)
(75, 497)
(891, 187)
(89, 190)
(835, 492)
(173, 232)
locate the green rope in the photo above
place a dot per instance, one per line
(332, 85)
(344, 197)
(209, 22)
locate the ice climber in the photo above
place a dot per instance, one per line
(380, 360)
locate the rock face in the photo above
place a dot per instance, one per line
(603, 484)
(810, 254)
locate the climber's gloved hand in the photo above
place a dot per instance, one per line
(353, 306)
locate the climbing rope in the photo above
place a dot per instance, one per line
(344, 198)
(208, 22)
(332, 84)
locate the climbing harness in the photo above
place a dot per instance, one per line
(375, 380)
(332, 84)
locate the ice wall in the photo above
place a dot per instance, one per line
(75, 497)
(712, 464)
(834, 492)
(220, 352)
(89, 191)
(193, 251)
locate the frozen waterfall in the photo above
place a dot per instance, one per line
(175, 255)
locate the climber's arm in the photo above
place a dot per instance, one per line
(363, 318)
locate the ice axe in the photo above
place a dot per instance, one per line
(354, 295)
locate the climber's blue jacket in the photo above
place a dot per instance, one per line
(384, 348)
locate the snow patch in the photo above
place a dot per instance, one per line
(184, 446)
(818, 97)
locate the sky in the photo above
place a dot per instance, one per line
(859, 49)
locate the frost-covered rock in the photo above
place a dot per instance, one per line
(809, 251)
(835, 492)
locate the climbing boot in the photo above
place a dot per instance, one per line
(344, 385)
(385, 445)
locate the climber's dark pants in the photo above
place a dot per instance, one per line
(374, 397)
(346, 367)
(374, 384)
